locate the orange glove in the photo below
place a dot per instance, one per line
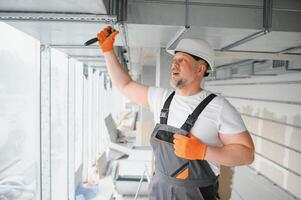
(189, 147)
(106, 40)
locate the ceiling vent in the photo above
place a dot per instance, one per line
(280, 63)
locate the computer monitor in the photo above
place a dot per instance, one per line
(111, 128)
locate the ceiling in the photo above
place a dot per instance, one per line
(151, 25)
(68, 6)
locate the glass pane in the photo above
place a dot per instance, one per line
(19, 115)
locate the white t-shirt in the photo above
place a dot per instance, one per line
(218, 117)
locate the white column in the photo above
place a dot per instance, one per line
(45, 122)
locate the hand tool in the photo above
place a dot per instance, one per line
(93, 40)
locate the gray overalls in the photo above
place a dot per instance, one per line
(166, 184)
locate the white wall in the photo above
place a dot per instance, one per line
(271, 109)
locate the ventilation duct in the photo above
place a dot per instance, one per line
(118, 8)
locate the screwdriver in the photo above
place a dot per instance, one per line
(93, 40)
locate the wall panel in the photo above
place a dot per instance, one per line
(271, 110)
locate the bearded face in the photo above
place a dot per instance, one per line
(183, 73)
(181, 82)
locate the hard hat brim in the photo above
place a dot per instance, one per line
(204, 57)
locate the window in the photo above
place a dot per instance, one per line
(19, 115)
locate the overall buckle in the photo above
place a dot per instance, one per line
(190, 122)
(164, 113)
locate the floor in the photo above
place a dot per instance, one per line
(247, 185)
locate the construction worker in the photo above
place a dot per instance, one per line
(196, 130)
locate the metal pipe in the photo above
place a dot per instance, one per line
(176, 37)
(187, 14)
(118, 8)
(245, 39)
(267, 25)
(267, 14)
(182, 30)
(255, 55)
(290, 49)
(281, 55)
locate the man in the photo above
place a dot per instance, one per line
(196, 131)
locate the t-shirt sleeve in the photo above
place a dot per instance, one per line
(230, 121)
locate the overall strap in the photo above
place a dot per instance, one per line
(165, 109)
(194, 116)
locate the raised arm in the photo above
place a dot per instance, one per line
(121, 79)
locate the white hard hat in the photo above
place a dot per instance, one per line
(197, 47)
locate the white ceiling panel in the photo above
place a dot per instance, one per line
(218, 37)
(153, 37)
(86, 6)
(158, 36)
(61, 33)
(143, 35)
(144, 40)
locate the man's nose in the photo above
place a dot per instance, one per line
(175, 64)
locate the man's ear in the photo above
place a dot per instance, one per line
(202, 69)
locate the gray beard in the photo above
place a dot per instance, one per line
(178, 84)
